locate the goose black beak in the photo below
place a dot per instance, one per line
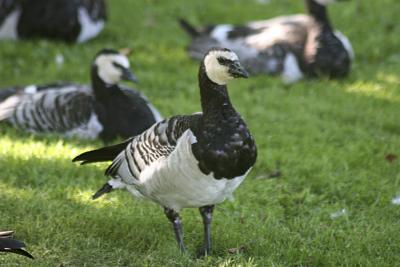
(127, 75)
(237, 71)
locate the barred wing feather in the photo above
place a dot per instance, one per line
(157, 142)
(59, 110)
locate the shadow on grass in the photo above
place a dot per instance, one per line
(65, 226)
(60, 227)
(7, 131)
(55, 194)
(382, 84)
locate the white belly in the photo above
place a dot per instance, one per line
(177, 182)
(8, 30)
(291, 70)
(89, 28)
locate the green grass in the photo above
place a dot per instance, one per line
(330, 137)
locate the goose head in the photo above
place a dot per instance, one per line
(112, 67)
(222, 65)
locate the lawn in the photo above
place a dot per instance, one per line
(331, 206)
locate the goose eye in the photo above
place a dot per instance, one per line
(119, 66)
(224, 61)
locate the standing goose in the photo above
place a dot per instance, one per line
(67, 20)
(104, 109)
(291, 46)
(188, 161)
(8, 244)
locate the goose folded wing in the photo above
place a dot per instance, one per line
(157, 142)
(49, 110)
(138, 100)
(142, 150)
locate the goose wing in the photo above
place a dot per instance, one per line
(141, 151)
(57, 110)
(141, 100)
(30, 89)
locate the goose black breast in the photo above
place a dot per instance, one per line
(331, 57)
(225, 149)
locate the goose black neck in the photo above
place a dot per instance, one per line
(101, 90)
(318, 12)
(214, 97)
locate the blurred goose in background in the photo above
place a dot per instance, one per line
(105, 109)
(291, 46)
(67, 20)
(8, 244)
(187, 161)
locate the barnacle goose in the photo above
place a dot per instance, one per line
(187, 161)
(68, 20)
(291, 46)
(104, 109)
(8, 244)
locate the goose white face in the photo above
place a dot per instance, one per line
(222, 65)
(325, 2)
(112, 68)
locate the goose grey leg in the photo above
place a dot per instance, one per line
(174, 218)
(206, 212)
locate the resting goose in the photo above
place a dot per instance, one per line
(8, 244)
(291, 46)
(104, 109)
(67, 20)
(187, 161)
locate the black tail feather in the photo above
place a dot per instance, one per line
(7, 92)
(18, 251)
(8, 244)
(107, 153)
(189, 29)
(107, 188)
